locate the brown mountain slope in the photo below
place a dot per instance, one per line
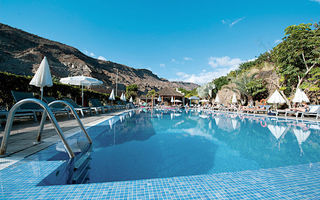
(21, 53)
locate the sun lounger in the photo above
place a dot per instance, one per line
(28, 109)
(314, 111)
(248, 109)
(56, 108)
(262, 109)
(78, 108)
(97, 105)
(3, 116)
(293, 112)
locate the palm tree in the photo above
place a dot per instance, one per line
(152, 93)
(247, 85)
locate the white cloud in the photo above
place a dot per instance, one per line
(221, 66)
(89, 53)
(318, 1)
(278, 41)
(102, 58)
(223, 21)
(202, 77)
(187, 58)
(162, 65)
(173, 60)
(236, 21)
(253, 59)
(225, 61)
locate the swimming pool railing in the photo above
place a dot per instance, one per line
(76, 116)
(47, 112)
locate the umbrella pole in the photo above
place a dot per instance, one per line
(82, 94)
(41, 90)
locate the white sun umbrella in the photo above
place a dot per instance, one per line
(42, 77)
(159, 98)
(112, 97)
(300, 97)
(277, 130)
(81, 81)
(204, 100)
(234, 98)
(123, 97)
(276, 98)
(194, 98)
(177, 101)
(131, 100)
(171, 99)
(217, 100)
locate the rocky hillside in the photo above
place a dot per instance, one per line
(267, 73)
(21, 53)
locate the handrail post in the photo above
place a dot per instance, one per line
(7, 129)
(47, 111)
(76, 116)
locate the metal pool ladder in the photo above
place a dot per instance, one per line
(47, 112)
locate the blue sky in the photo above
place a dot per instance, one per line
(179, 40)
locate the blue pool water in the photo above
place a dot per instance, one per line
(160, 144)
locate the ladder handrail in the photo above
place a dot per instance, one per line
(76, 116)
(47, 111)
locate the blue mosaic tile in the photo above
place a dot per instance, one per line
(20, 181)
(294, 182)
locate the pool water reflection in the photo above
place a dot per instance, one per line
(178, 143)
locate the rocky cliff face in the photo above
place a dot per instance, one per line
(22, 52)
(267, 73)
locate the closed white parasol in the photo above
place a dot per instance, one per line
(81, 81)
(217, 99)
(123, 97)
(42, 78)
(234, 98)
(131, 100)
(112, 97)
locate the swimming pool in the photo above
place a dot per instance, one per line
(161, 144)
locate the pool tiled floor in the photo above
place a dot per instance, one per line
(20, 180)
